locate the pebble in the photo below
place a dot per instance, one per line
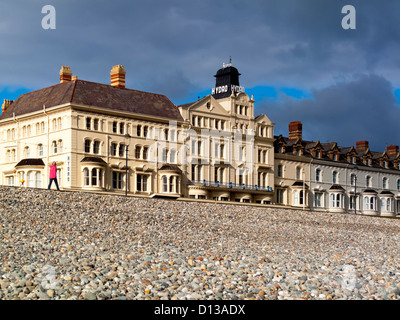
(75, 245)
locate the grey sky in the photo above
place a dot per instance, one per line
(175, 48)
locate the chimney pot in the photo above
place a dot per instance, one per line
(362, 146)
(392, 150)
(6, 104)
(118, 76)
(65, 74)
(295, 130)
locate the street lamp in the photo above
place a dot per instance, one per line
(127, 139)
(355, 190)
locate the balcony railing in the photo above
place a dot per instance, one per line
(231, 185)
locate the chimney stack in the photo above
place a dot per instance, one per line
(65, 74)
(392, 150)
(6, 104)
(361, 146)
(118, 76)
(295, 130)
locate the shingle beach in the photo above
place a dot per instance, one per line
(74, 245)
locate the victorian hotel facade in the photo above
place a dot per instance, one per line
(110, 138)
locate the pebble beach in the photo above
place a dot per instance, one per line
(74, 245)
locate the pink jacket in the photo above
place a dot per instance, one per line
(53, 171)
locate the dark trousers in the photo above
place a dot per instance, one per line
(51, 181)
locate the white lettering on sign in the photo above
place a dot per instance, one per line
(223, 89)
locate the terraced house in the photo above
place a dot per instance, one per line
(111, 138)
(336, 179)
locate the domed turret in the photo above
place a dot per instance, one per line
(226, 82)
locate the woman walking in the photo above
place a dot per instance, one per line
(53, 175)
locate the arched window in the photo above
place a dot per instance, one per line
(38, 179)
(368, 181)
(27, 152)
(54, 145)
(334, 177)
(31, 179)
(86, 176)
(94, 177)
(171, 184)
(40, 150)
(352, 179)
(318, 175)
(172, 156)
(165, 184)
(60, 145)
(384, 183)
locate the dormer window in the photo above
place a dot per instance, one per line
(335, 157)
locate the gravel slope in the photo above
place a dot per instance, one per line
(72, 245)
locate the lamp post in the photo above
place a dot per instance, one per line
(355, 190)
(126, 137)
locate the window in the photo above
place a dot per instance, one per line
(369, 203)
(115, 125)
(38, 181)
(194, 172)
(54, 145)
(280, 170)
(96, 147)
(165, 184)
(398, 185)
(199, 148)
(27, 152)
(199, 172)
(10, 181)
(164, 155)
(368, 181)
(145, 153)
(94, 177)
(137, 152)
(31, 179)
(298, 173)
(145, 131)
(335, 200)
(60, 146)
(279, 196)
(88, 123)
(352, 202)
(59, 123)
(121, 150)
(166, 134)
(317, 200)
(318, 175)
(384, 183)
(29, 131)
(334, 177)
(172, 156)
(141, 182)
(113, 149)
(117, 182)
(352, 179)
(96, 124)
(121, 128)
(87, 145)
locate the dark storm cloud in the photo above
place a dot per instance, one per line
(362, 109)
(175, 47)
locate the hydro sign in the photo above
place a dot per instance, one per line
(223, 89)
